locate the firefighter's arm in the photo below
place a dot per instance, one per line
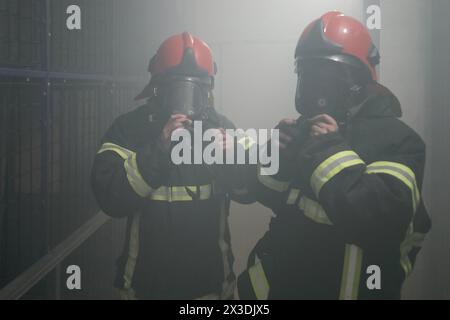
(232, 178)
(123, 177)
(248, 183)
(368, 202)
(271, 187)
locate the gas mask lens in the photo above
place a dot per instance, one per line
(321, 88)
(189, 96)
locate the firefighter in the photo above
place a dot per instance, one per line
(349, 215)
(177, 237)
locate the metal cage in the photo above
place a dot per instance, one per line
(59, 92)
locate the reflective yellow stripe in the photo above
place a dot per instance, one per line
(247, 142)
(272, 184)
(126, 294)
(140, 186)
(293, 196)
(401, 172)
(351, 273)
(180, 194)
(412, 240)
(311, 209)
(259, 281)
(133, 251)
(406, 176)
(333, 166)
(122, 152)
(314, 211)
(211, 296)
(227, 287)
(135, 178)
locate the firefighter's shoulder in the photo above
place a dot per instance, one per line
(127, 128)
(225, 122)
(387, 131)
(407, 135)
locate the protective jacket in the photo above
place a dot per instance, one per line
(177, 239)
(350, 220)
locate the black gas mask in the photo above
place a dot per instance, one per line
(326, 87)
(186, 95)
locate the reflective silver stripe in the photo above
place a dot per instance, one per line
(314, 211)
(331, 167)
(180, 194)
(133, 251)
(273, 184)
(351, 273)
(259, 281)
(293, 196)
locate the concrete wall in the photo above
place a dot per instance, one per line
(415, 46)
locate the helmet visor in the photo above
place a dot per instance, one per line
(323, 87)
(186, 95)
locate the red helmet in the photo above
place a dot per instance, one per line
(180, 54)
(186, 51)
(339, 38)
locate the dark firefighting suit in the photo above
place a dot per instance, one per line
(350, 205)
(355, 202)
(177, 239)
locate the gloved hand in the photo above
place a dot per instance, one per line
(293, 135)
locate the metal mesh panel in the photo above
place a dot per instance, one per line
(50, 128)
(88, 50)
(33, 221)
(23, 229)
(19, 33)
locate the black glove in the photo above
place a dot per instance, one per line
(298, 133)
(293, 137)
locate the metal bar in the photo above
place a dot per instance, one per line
(375, 33)
(23, 283)
(57, 292)
(45, 118)
(40, 74)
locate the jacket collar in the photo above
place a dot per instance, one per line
(380, 103)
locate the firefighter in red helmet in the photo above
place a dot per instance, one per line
(177, 240)
(349, 215)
